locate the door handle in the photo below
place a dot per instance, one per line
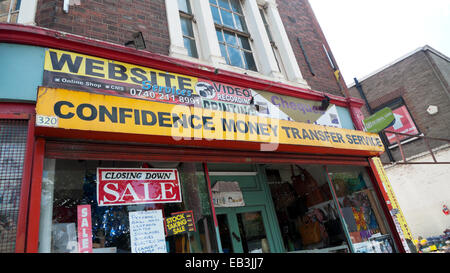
(236, 237)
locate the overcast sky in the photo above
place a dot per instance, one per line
(365, 35)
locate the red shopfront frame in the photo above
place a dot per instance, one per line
(22, 111)
(41, 146)
(60, 149)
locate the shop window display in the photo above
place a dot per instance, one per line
(307, 216)
(363, 216)
(66, 184)
(310, 218)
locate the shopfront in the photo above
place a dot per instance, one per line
(235, 207)
(130, 158)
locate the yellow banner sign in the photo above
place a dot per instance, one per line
(67, 109)
(74, 71)
(396, 212)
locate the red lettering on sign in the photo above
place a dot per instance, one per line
(137, 186)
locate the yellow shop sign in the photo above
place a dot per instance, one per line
(60, 108)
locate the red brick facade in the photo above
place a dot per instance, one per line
(417, 80)
(299, 21)
(111, 21)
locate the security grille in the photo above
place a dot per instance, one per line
(13, 137)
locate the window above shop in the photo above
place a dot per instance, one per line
(9, 10)
(275, 50)
(231, 30)
(242, 36)
(187, 21)
(12, 11)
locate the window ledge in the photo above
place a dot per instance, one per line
(276, 78)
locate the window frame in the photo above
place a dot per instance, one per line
(192, 52)
(263, 56)
(275, 51)
(11, 11)
(222, 28)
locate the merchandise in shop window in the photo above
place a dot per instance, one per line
(310, 223)
(333, 226)
(306, 186)
(309, 231)
(74, 182)
(364, 221)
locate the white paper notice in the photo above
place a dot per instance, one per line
(147, 232)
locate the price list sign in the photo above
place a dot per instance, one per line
(147, 232)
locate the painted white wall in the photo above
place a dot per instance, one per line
(422, 190)
(175, 34)
(27, 12)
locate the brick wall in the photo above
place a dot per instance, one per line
(414, 80)
(110, 20)
(299, 21)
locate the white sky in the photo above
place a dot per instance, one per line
(365, 35)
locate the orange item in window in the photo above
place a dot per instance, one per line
(359, 218)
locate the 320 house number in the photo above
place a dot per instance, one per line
(46, 121)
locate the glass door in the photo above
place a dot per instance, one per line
(243, 230)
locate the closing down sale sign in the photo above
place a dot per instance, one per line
(125, 186)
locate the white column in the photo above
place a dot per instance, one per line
(207, 37)
(282, 41)
(175, 33)
(45, 224)
(27, 12)
(261, 43)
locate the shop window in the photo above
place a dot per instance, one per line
(67, 184)
(366, 225)
(13, 137)
(186, 20)
(310, 218)
(9, 10)
(232, 33)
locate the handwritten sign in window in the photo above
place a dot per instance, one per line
(147, 232)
